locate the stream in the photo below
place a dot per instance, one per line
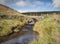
(24, 39)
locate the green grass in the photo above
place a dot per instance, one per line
(49, 31)
(6, 24)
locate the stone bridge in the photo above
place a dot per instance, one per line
(36, 17)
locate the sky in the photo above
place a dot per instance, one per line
(32, 5)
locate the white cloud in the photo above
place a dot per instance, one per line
(2, 1)
(6, 2)
(56, 3)
(21, 3)
(28, 3)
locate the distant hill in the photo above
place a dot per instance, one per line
(4, 10)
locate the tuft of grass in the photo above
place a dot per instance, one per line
(49, 31)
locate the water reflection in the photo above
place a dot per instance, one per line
(24, 39)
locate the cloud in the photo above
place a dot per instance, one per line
(2, 1)
(32, 6)
(56, 3)
(21, 3)
(28, 3)
(7, 2)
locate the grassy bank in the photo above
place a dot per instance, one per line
(49, 31)
(11, 25)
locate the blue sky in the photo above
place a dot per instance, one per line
(32, 5)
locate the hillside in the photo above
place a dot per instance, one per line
(4, 10)
(11, 22)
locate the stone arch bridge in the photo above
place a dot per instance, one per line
(36, 17)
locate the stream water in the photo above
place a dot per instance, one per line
(24, 39)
